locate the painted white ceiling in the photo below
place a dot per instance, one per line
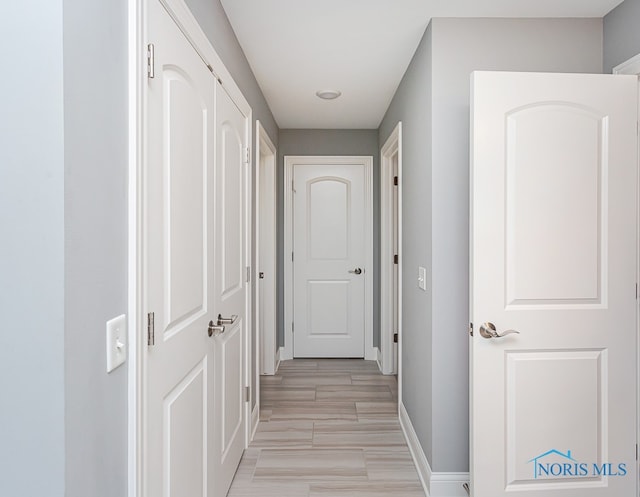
(360, 47)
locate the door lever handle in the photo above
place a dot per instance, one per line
(230, 320)
(214, 330)
(488, 330)
(355, 271)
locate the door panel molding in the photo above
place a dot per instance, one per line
(290, 161)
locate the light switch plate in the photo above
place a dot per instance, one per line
(422, 278)
(116, 342)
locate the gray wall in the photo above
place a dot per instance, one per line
(329, 142)
(412, 105)
(32, 250)
(96, 165)
(458, 47)
(215, 24)
(621, 34)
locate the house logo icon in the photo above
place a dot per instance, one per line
(537, 461)
(554, 464)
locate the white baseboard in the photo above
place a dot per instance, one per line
(255, 419)
(371, 354)
(284, 354)
(379, 358)
(434, 484)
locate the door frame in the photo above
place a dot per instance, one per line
(290, 161)
(392, 147)
(632, 67)
(265, 148)
(137, 161)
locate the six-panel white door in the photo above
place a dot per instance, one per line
(329, 260)
(178, 265)
(553, 229)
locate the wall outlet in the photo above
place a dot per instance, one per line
(422, 278)
(116, 342)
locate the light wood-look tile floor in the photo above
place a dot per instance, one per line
(328, 428)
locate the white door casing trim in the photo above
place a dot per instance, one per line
(137, 132)
(632, 67)
(392, 146)
(289, 162)
(264, 146)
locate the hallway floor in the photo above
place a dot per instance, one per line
(328, 428)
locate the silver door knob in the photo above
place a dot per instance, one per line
(355, 271)
(488, 330)
(230, 320)
(214, 330)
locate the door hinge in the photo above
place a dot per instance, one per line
(636, 452)
(292, 187)
(291, 326)
(636, 290)
(395, 181)
(291, 256)
(395, 338)
(248, 274)
(151, 70)
(470, 329)
(247, 157)
(395, 259)
(151, 332)
(247, 394)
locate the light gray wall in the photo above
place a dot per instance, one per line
(328, 142)
(96, 165)
(214, 22)
(412, 105)
(32, 250)
(458, 47)
(621, 34)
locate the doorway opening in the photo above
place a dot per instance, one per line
(329, 286)
(265, 220)
(390, 251)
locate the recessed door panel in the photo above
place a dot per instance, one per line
(554, 177)
(232, 207)
(185, 435)
(329, 203)
(186, 129)
(328, 308)
(555, 401)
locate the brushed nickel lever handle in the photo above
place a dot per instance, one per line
(230, 320)
(355, 271)
(488, 330)
(214, 330)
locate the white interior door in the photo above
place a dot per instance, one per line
(178, 244)
(553, 408)
(329, 267)
(230, 289)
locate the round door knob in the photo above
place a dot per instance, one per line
(355, 271)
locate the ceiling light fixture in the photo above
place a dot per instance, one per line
(328, 94)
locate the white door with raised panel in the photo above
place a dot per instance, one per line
(230, 265)
(329, 269)
(178, 289)
(195, 191)
(553, 289)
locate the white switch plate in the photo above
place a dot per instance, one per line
(422, 278)
(116, 342)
